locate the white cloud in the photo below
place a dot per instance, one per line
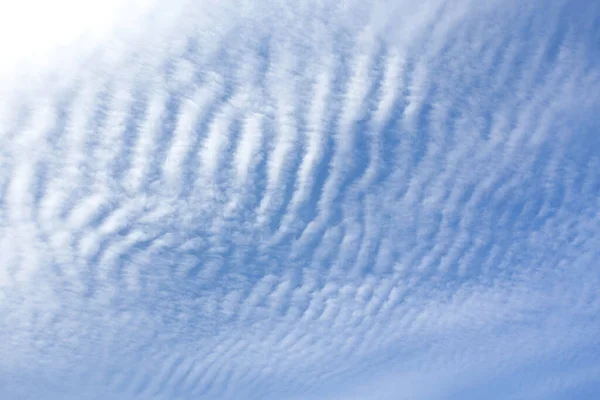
(260, 199)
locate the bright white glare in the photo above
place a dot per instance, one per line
(33, 31)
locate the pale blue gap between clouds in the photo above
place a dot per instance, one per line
(309, 201)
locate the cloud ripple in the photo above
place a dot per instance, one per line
(262, 200)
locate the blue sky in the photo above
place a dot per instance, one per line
(300, 200)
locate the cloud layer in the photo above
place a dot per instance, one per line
(272, 200)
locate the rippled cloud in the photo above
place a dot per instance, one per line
(301, 200)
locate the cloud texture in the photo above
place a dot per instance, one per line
(304, 200)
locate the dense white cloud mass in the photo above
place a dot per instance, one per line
(300, 200)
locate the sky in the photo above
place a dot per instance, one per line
(303, 200)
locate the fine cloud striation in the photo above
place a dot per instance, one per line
(357, 200)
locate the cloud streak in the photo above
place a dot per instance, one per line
(272, 200)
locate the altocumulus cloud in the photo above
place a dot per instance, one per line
(300, 200)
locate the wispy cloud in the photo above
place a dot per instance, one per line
(304, 200)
